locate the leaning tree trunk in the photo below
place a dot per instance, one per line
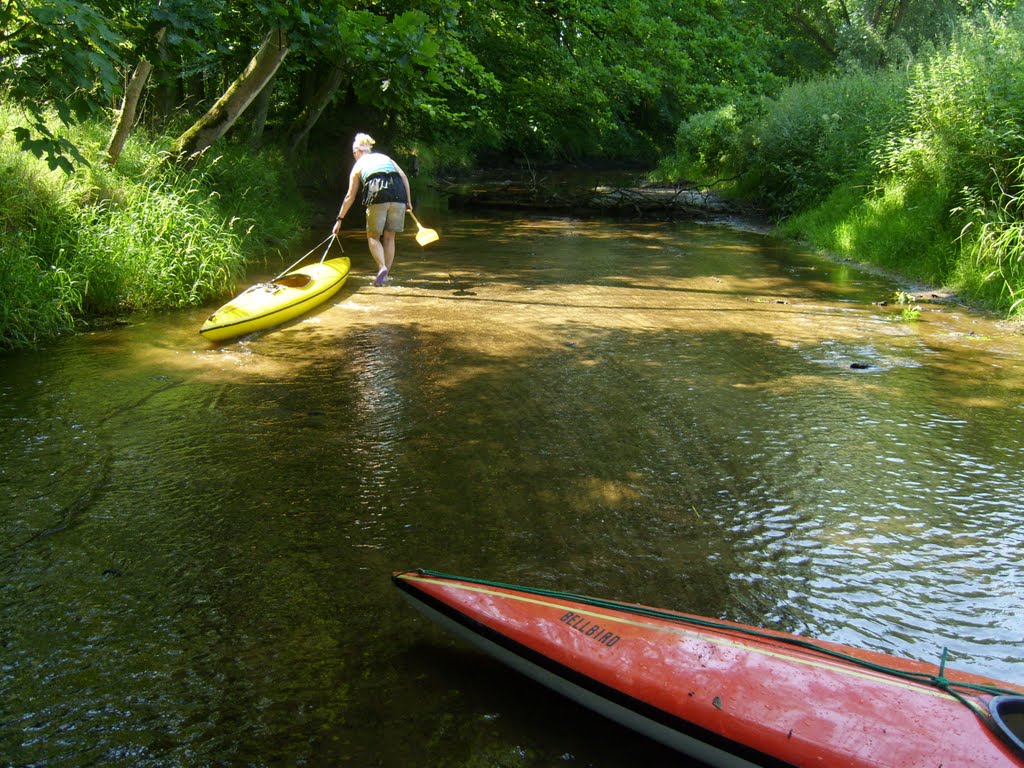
(260, 110)
(236, 98)
(303, 124)
(126, 117)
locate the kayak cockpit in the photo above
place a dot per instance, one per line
(293, 281)
(1008, 713)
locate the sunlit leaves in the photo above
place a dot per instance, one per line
(613, 78)
(58, 55)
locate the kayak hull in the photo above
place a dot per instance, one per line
(266, 305)
(724, 693)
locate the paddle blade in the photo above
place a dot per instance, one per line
(424, 236)
(427, 236)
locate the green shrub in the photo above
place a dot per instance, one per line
(964, 141)
(965, 118)
(819, 135)
(710, 142)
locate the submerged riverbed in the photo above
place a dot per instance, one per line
(197, 539)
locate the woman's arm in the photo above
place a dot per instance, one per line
(405, 181)
(350, 197)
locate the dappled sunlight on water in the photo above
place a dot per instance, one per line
(684, 416)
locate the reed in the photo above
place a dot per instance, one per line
(992, 263)
(146, 235)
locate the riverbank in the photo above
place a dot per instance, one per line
(145, 235)
(617, 201)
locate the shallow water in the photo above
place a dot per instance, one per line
(197, 539)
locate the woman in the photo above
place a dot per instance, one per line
(386, 196)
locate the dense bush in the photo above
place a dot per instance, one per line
(967, 139)
(820, 134)
(920, 169)
(709, 143)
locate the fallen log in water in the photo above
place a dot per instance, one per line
(630, 202)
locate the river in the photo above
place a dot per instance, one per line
(197, 539)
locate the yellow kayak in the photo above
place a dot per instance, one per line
(265, 305)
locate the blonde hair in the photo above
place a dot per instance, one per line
(363, 142)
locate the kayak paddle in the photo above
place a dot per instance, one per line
(424, 236)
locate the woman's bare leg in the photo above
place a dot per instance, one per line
(377, 250)
(388, 245)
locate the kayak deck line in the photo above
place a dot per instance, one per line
(721, 641)
(934, 685)
(729, 694)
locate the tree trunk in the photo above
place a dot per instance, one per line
(126, 117)
(898, 15)
(261, 107)
(165, 88)
(236, 98)
(798, 17)
(303, 124)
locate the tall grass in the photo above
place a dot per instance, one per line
(40, 292)
(143, 236)
(962, 146)
(992, 258)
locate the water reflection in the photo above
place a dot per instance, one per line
(198, 537)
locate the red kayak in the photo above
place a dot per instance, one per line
(730, 694)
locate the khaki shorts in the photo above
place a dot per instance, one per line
(385, 216)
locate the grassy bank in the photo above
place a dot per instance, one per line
(144, 235)
(918, 168)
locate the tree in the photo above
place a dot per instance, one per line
(314, 108)
(223, 114)
(869, 32)
(611, 78)
(126, 115)
(60, 58)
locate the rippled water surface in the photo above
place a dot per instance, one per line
(197, 539)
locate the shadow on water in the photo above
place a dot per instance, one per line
(199, 537)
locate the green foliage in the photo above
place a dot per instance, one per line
(909, 312)
(56, 57)
(147, 235)
(708, 145)
(904, 229)
(608, 79)
(992, 263)
(963, 142)
(938, 196)
(965, 118)
(408, 61)
(820, 134)
(818, 35)
(38, 297)
(161, 245)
